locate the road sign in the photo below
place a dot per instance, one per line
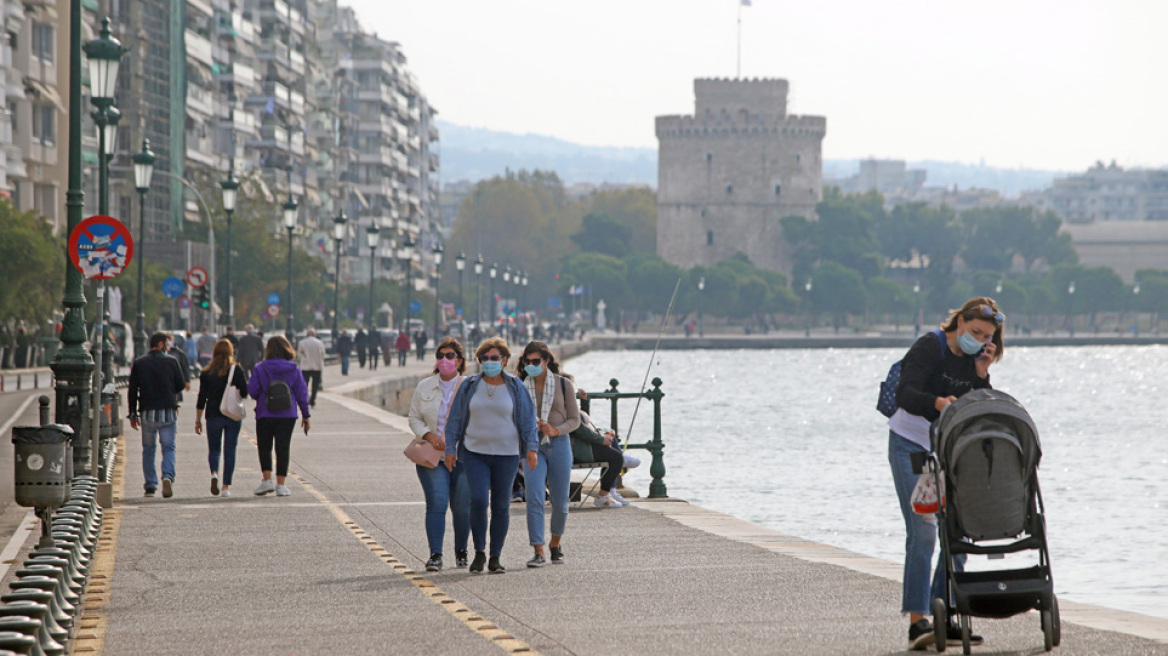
(184, 302)
(100, 247)
(415, 307)
(273, 310)
(273, 299)
(173, 287)
(197, 276)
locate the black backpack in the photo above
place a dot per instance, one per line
(886, 402)
(279, 396)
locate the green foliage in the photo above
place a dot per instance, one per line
(838, 290)
(33, 266)
(601, 233)
(994, 237)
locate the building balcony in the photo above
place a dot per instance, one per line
(238, 74)
(378, 93)
(199, 48)
(271, 94)
(200, 100)
(240, 122)
(382, 156)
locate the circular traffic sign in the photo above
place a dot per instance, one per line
(172, 287)
(273, 299)
(197, 276)
(415, 307)
(184, 303)
(273, 310)
(100, 247)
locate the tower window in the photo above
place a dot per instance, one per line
(778, 190)
(797, 157)
(709, 238)
(729, 189)
(709, 157)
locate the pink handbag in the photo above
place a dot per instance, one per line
(423, 453)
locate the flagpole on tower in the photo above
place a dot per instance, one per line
(741, 4)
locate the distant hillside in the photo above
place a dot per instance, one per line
(477, 153)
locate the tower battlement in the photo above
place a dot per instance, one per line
(766, 96)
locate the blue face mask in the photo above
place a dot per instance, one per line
(533, 370)
(492, 368)
(968, 344)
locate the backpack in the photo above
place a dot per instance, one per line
(279, 396)
(886, 402)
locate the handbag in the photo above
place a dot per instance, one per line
(231, 406)
(925, 495)
(423, 453)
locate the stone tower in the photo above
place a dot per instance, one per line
(730, 172)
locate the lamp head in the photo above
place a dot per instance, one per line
(105, 55)
(478, 265)
(339, 226)
(494, 270)
(460, 261)
(438, 255)
(143, 167)
(372, 236)
(290, 207)
(112, 118)
(230, 189)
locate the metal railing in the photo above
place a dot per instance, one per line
(655, 446)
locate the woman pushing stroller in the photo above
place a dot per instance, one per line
(940, 367)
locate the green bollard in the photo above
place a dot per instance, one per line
(656, 447)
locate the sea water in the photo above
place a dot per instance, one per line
(790, 439)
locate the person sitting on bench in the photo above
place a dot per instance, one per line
(590, 445)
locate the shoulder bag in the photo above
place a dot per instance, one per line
(231, 406)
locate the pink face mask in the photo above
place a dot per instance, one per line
(447, 366)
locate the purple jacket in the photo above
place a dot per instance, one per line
(278, 369)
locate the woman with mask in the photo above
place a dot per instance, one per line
(940, 367)
(443, 488)
(556, 415)
(222, 431)
(491, 423)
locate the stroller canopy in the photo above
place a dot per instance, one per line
(978, 407)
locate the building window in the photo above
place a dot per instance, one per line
(709, 238)
(44, 118)
(42, 42)
(798, 157)
(709, 158)
(729, 189)
(778, 190)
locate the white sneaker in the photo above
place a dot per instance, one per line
(607, 502)
(616, 496)
(632, 462)
(265, 487)
(282, 491)
(225, 493)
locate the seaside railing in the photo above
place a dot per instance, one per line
(655, 446)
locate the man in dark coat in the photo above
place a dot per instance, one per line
(250, 350)
(155, 381)
(345, 350)
(362, 343)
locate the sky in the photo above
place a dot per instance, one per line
(1043, 84)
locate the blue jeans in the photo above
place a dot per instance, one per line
(489, 479)
(445, 489)
(554, 470)
(222, 436)
(921, 536)
(152, 433)
(344, 365)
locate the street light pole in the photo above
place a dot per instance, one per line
(460, 265)
(290, 224)
(407, 254)
(494, 271)
(372, 235)
(437, 291)
(339, 232)
(701, 306)
(1070, 309)
(807, 299)
(478, 269)
(917, 308)
(230, 190)
(106, 117)
(143, 172)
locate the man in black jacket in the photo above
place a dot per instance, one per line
(155, 381)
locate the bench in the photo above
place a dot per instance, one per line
(577, 493)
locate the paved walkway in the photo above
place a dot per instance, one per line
(337, 569)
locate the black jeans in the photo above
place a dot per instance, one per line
(278, 429)
(313, 378)
(615, 460)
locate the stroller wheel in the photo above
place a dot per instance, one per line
(965, 633)
(1055, 622)
(1047, 630)
(940, 624)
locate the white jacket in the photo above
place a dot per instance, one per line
(424, 405)
(311, 354)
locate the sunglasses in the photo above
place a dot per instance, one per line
(492, 358)
(533, 361)
(449, 355)
(989, 312)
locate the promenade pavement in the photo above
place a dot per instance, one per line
(337, 568)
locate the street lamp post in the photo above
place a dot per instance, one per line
(143, 172)
(106, 116)
(1070, 309)
(437, 290)
(916, 308)
(230, 189)
(1136, 308)
(407, 254)
(478, 269)
(494, 271)
(525, 285)
(460, 265)
(372, 236)
(701, 303)
(290, 223)
(807, 299)
(506, 280)
(338, 238)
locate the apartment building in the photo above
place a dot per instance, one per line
(1108, 193)
(35, 110)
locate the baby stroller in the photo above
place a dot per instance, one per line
(985, 445)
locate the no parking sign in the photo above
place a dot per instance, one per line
(100, 247)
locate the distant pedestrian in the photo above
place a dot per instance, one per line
(231, 337)
(312, 362)
(191, 349)
(205, 345)
(361, 341)
(222, 431)
(421, 339)
(402, 345)
(277, 385)
(387, 345)
(374, 342)
(155, 381)
(183, 364)
(251, 348)
(345, 350)
(442, 488)
(556, 415)
(491, 423)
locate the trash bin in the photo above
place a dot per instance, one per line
(42, 455)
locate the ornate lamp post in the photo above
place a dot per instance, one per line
(807, 299)
(1136, 307)
(407, 254)
(1070, 309)
(478, 269)
(143, 172)
(372, 236)
(339, 232)
(701, 306)
(437, 290)
(106, 116)
(917, 307)
(290, 223)
(230, 189)
(525, 284)
(494, 271)
(460, 265)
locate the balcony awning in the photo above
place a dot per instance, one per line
(44, 92)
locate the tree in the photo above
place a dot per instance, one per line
(601, 233)
(994, 236)
(33, 266)
(844, 233)
(635, 208)
(652, 281)
(604, 275)
(838, 291)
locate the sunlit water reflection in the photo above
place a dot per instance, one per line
(791, 440)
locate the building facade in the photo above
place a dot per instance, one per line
(728, 173)
(1108, 193)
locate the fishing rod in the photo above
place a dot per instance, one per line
(660, 333)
